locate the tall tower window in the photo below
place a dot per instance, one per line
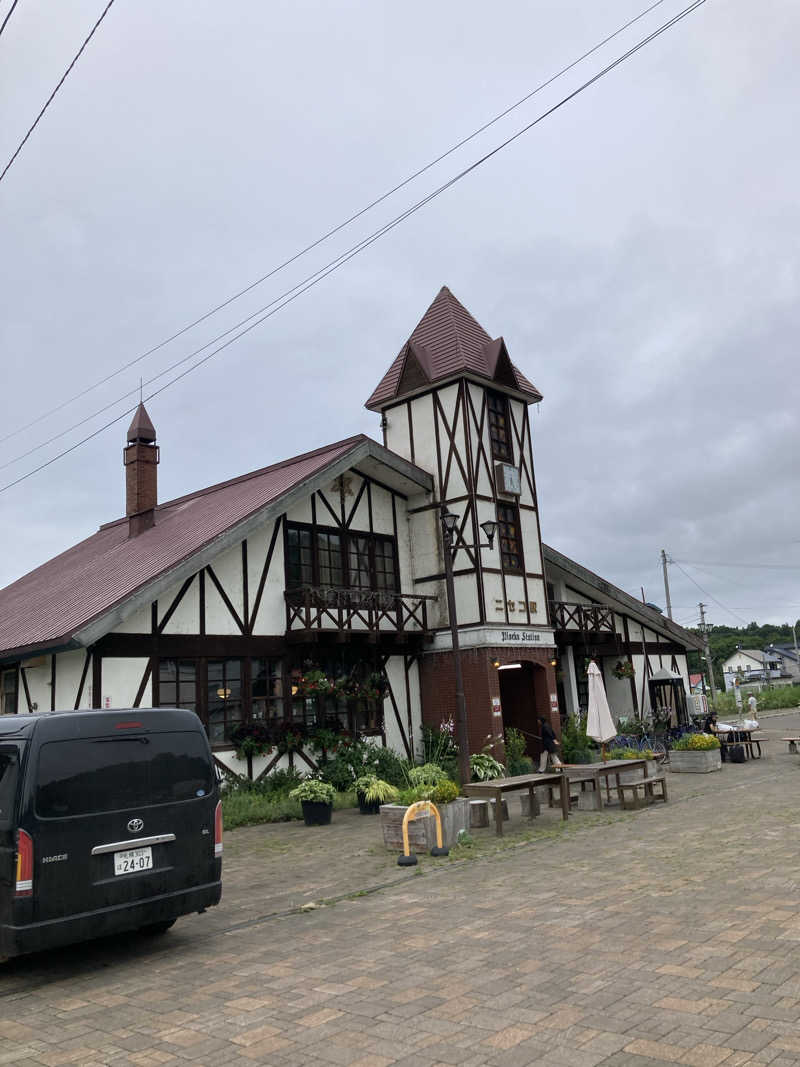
(499, 435)
(510, 538)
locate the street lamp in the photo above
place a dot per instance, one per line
(452, 542)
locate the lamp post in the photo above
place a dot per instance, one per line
(450, 538)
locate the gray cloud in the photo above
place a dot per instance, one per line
(637, 251)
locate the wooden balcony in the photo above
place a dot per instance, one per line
(584, 618)
(378, 617)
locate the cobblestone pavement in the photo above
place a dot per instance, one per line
(668, 935)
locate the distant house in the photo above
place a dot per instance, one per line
(695, 683)
(789, 661)
(754, 667)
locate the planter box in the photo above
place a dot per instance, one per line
(695, 762)
(316, 813)
(422, 832)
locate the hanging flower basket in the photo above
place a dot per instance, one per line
(623, 669)
(252, 739)
(314, 683)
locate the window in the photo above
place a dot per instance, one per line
(329, 556)
(510, 538)
(499, 434)
(110, 774)
(334, 559)
(224, 700)
(299, 557)
(8, 692)
(9, 775)
(267, 682)
(384, 573)
(177, 686)
(358, 563)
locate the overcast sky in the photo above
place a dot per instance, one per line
(638, 251)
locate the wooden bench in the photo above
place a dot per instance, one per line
(793, 743)
(646, 785)
(750, 744)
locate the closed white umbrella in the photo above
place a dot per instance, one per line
(599, 723)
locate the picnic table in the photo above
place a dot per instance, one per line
(494, 789)
(750, 741)
(595, 772)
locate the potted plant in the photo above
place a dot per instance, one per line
(453, 810)
(372, 792)
(623, 668)
(485, 767)
(316, 800)
(695, 754)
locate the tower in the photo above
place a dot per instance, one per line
(453, 403)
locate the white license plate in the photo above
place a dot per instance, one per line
(133, 860)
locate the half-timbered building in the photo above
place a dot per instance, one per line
(243, 600)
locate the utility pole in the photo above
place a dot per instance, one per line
(707, 651)
(666, 584)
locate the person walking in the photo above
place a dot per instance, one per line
(549, 744)
(752, 706)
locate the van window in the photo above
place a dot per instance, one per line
(78, 777)
(9, 776)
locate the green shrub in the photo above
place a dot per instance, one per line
(387, 765)
(778, 696)
(246, 807)
(427, 774)
(695, 743)
(485, 767)
(314, 791)
(442, 792)
(576, 747)
(375, 790)
(516, 760)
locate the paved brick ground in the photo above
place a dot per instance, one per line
(665, 936)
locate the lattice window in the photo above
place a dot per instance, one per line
(267, 689)
(510, 537)
(224, 700)
(499, 430)
(299, 557)
(358, 561)
(177, 683)
(385, 578)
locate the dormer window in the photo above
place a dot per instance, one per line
(499, 431)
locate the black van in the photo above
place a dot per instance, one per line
(109, 821)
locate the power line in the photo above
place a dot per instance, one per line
(705, 592)
(61, 82)
(754, 566)
(292, 294)
(335, 229)
(8, 16)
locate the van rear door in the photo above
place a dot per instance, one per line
(122, 818)
(10, 756)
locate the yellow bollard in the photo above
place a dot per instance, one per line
(421, 807)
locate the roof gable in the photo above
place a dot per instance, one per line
(447, 342)
(75, 598)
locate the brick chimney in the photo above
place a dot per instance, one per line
(141, 482)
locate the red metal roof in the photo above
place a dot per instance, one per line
(53, 602)
(446, 342)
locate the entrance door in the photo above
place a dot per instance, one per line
(523, 698)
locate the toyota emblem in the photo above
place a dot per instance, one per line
(136, 826)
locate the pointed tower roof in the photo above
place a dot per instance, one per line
(141, 428)
(446, 343)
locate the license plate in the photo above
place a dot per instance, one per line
(133, 860)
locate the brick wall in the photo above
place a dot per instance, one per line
(481, 684)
